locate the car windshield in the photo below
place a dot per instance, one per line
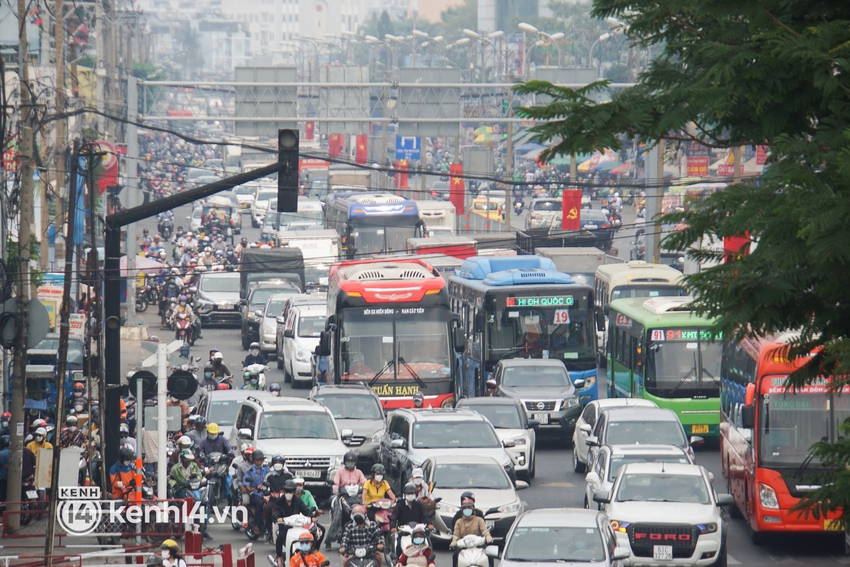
(645, 432)
(555, 545)
(244, 190)
(531, 376)
(592, 215)
(501, 416)
(384, 234)
(297, 425)
(265, 195)
(546, 206)
(311, 326)
(224, 412)
(75, 350)
(261, 296)
(617, 461)
(350, 406)
(663, 488)
(454, 435)
(469, 476)
(220, 285)
(285, 219)
(275, 307)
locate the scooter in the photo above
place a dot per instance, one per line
(616, 220)
(383, 511)
(519, 206)
(217, 477)
(298, 524)
(341, 504)
(474, 551)
(166, 226)
(183, 329)
(404, 538)
(198, 487)
(259, 369)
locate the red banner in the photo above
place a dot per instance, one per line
(401, 176)
(456, 189)
(335, 144)
(761, 155)
(571, 209)
(360, 153)
(309, 128)
(734, 247)
(312, 163)
(697, 166)
(109, 163)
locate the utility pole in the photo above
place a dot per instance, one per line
(61, 124)
(23, 277)
(99, 66)
(509, 161)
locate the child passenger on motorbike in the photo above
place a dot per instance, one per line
(306, 555)
(418, 553)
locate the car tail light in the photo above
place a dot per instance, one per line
(605, 225)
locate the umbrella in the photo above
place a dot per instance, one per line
(597, 158)
(528, 146)
(146, 265)
(622, 168)
(533, 154)
(606, 166)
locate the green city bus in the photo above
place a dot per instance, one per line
(659, 350)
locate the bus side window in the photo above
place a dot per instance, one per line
(637, 360)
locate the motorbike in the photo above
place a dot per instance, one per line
(259, 369)
(383, 511)
(298, 524)
(474, 551)
(404, 537)
(142, 299)
(183, 329)
(166, 227)
(31, 501)
(616, 220)
(341, 504)
(217, 477)
(198, 489)
(519, 206)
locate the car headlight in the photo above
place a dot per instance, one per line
(337, 461)
(302, 355)
(707, 528)
(249, 315)
(269, 329)
(618, 526)
(376, 438)
(224, 304)
(588, 382)
(447, 509)
(767, 497)
(510, 508)
(569, 403)
(518, 440)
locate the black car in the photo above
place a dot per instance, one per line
(597, 223)
(254, 305)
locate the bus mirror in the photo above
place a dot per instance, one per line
(748, 416)
(459, 339)
(479, 322)
(750, 395)
(600, 320)
(605, 310)
(325, 343)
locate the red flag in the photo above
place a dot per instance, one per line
(335, 144)
(571, 210)
(109, 164)
(735, 246)
(397, 175)
(309, 128)
(402, 175)
(456, 190)
(360, 154)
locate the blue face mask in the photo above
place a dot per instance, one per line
(418, 540)
(467, 512)
(349, 466)
(305, 547)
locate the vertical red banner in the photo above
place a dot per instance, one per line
(360, 151)
(309, 129)
(456, 188)
(402, 175)
(335, 143)
(571, 209)
(734, 247)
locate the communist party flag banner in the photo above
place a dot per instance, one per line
(571, 210)
(309, 129)
(402, 175)
(360, 152)
(734, 247)
(335, 144)
(456, 189)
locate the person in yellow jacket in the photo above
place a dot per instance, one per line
(39, 441)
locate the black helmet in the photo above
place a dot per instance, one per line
(258, 456)
(208, 368)
(350, 457)
(126, 454)
(5, 441)
(288, 485)
(467, 494)
(378, 468)
(278, 459)
(409, 488)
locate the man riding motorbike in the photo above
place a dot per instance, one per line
(254, 356)
(288, 505)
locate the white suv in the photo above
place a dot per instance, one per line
(304, 325)
(667, 512)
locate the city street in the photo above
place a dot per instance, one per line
(555, 484)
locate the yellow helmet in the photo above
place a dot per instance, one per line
(212, 429)
(169, 544)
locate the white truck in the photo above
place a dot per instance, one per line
(320, 249)
(578, 262)
(352, 179)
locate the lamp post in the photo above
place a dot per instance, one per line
(554, 38)
(525, 70)
(481, 40)
(438, 40)
(604, 37)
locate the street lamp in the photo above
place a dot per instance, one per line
(604, 37)
(438, 40)
(554, 38)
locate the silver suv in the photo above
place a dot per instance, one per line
(542, 212)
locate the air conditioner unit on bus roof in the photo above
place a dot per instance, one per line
(479, 267)
(661, 305)
(379, 272)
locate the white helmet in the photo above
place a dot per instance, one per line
(41, 431)
(185, 441)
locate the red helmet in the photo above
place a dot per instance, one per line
(222, 387)
(6, 415)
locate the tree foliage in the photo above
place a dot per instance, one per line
(727, 73)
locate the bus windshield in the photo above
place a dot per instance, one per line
(381, 235)
(657, 290)
(283, 219)
(789, 424)
(388, 343)
(542, 329)
(683, 363)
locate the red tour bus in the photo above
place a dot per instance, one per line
(767, 433)
(390, 327)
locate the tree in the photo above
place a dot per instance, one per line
(727, 74)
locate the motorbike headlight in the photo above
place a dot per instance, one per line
(569, 403)
(447, 509)
(510, 508)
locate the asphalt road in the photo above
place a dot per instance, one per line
(555, 484)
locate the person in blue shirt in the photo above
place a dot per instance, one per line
(252, 483)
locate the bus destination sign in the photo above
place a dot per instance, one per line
(540, 301)
(659, 335)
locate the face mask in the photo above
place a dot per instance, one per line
(359, 519)
(78, 394)
(278, 467)
(4, 423)
(39, 438)
(255, 351)
(418, 481)
(349, 466)
(78, 408)
(410, 497)
(166, 554)
(207, 375)
(305, 547)
(72, 428)
(288, 496)
(467, 512)
(418, 540)
(254, 380)
(379, 478)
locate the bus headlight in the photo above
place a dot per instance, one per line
(588, 382)
(767, 497)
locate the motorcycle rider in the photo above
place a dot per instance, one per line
(122, 475)
(250, 380)
(183, 306)
(467, 495)
(221, 371)
(287, 505)
(214, 442)
(306, 556)
(254, 356)
(238, 467)
(274, 481)
(198, 431)
(5, 420)
(171, 554)
(145, 239)
(70, 436)
(468, 524)
(219, 243)
(361, 532)
(77, 400)
(349, 474)
(39, 441)
(418, 480)
(408, 509)
(162, 217)
(252, 484)
(188, 243)
(208, 382)
(376, 488)
(184, 409)
(243, 244)
(275, 389)
(126, 440)
(305, 495)
(419, 553)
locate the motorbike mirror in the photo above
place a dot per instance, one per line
(492, 551)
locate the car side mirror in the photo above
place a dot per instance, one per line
(621, 553)
(245, 434)
(492, 384)
(711, 477)
(521, 485)
(533, 424)
(325, 343)
(398, 444)
(280, 321)
(585, 427)
(459, 339)
(602, 497)
(259, 313)
(289, 334)
(725, 500)
(579, 384)
(748, 417)
(346, 434)
(696, 440)
(592, 478)
(508, 443)
(592, 441)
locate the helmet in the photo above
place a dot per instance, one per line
(5, 441)
(351, 457)
(275, 387)
(41, 431)
(258, 456)
(467, 496)
(126, 454)
(416, 472)
(289, 486)
(189, 233)
(278, 459)
(299, 481)
(358, 510)
(255, 345)
(222, 387)
(212, 429)
(378, 468)
(200, 420)
(306, 536)
(182, 298)
(72, 419)
(248, 452)
(170, 544)
(250, 375)
(418, 530)
(77, 386)
(244, 242)
(154, 561)
(124, 428)
(186, 455)
(218, 356)
(185, 441)
(409, 488)
(6, 415)
(467, 503)
(39, 423)
(145, 231)
(208, 367)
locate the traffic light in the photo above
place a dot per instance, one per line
(182, 384)
(148, 383)
(504, 106)
(287, 176)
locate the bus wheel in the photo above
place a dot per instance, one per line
(758, 538)
(734, 512)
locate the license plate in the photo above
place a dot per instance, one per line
(32, 494)
(590, 227)
(662, 552)
(309, 473)
(489, 524)
(833, 525)
(695, 429)
(542, 418)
